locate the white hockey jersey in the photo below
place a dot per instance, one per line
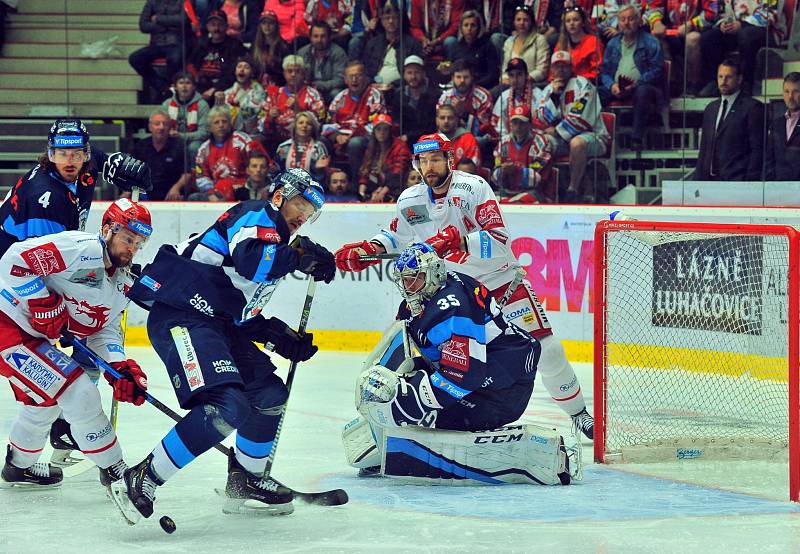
(70, 264)
(469, 205)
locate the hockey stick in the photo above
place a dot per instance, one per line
(333, 497)
(301, 328)
(377, 257)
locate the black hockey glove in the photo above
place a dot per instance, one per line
(240, 194)
(287, 342)
(125, 172)
(315, 260)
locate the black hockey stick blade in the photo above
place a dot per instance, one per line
(333, 497)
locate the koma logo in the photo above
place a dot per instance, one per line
(201, 305)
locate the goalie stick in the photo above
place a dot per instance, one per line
(333, 497)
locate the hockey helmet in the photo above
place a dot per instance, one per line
(419, 273)
(125, 214)
(432, 143)
(297, 182)
(68, 133)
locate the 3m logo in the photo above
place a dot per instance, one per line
(488, 215)
(44, 260)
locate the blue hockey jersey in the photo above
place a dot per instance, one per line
(42, 203)
(463, 335)
(229, 271)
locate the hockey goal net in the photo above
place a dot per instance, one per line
(696, 343)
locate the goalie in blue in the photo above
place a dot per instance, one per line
(475, 372)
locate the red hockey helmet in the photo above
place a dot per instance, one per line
(124, 213)
(433, 143)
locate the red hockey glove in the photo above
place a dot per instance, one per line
(48, 315)
(132, 385)
(446, 241)
(347, 257)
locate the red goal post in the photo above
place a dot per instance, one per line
(697, 342)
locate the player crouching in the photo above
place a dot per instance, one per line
(71, 281)
(476, 372)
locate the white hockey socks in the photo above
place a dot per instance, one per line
(90, 426)
(29, 433)
(558, 376)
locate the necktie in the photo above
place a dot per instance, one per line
(724, 112)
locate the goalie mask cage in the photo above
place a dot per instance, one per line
(696, 343)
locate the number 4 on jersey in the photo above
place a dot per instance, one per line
(44, 199)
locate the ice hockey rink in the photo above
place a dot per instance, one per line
(610, 511)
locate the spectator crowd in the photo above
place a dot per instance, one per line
(343, 88)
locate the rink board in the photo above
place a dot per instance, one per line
(555, 244)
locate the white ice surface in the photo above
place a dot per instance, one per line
(610, 511)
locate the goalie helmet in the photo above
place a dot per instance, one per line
(124, 213)
(68, 133)
(419, 273)
(297, 182)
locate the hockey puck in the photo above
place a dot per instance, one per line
(167, 524)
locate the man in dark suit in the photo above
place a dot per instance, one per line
(783, 143)
(732, 145)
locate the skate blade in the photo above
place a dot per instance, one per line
(64, 458)
(246, 506)
(120, 499)
(23, 486)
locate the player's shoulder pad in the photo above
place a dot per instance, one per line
(413, 193)
(474, 184)
(261, 214)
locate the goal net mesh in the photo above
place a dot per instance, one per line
(696, 345)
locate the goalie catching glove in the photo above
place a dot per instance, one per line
(315, 260)
(348, 257)
(125, 172)
(132, 384)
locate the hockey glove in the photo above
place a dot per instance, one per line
(125, 172)
(48, 315)
(315, 260)
(446, 241)
(288, 343)
(132, 385)
(348, 256)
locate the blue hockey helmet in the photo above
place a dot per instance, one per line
(68, 133)
(419, 273)
(297, 182)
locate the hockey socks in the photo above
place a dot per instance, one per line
(558, 376)
(255, 438)
(190, 437)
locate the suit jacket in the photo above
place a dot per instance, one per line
(783, 156)
(738, 144)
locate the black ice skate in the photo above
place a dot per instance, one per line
(266, 496)
(63, 445)
(39, 476)
(371, 471)
(141, 484)
(584, 423)
(113, 473)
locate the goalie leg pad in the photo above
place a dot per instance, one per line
(359, 444)
(526, 454)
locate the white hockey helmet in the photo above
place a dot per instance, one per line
(419, 273)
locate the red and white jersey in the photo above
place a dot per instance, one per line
(478, 110)
(70, 263)
(354, 114)
(289, 104)
(469, 205)
(465, 145)
(577, 111)
(229, 159)
(507, 101)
